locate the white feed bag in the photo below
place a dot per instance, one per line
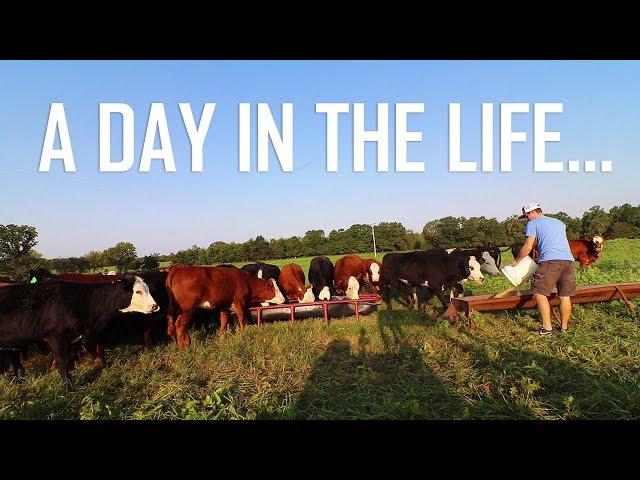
(521, 272)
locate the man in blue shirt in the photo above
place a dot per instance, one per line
(555, 264)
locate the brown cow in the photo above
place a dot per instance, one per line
(291, 282)
(373, 273)
(586, 250)
(213, 288)
(349, 273)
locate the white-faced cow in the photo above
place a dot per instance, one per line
(321, 277)
(62, 312)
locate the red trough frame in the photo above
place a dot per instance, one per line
(370, 298)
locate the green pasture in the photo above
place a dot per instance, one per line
(397, 364)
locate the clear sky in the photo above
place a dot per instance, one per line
(164, 212)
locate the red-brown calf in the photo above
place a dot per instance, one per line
(291, 281)
(213, 288)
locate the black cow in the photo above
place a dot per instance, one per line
(262, 270)
(62, 312)
(134, 325)
(321, 277)
(435, 271)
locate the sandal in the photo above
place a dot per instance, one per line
(545, 332)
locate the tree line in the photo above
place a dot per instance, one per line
(17, 255)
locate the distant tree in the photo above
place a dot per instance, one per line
(595, 221)
(94, 259)
(314, 243)
(150, 262)
(626, 213)
(391, 236)
(122, 256)
(16, 250)
(623, 230)
(513, 230)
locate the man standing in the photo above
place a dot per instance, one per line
(555, 264)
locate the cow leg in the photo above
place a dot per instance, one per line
(171, 327)
(239, 308)
(386, 294)
(95, 351)
(61, 348)
(437, 290)
(182, 325)
(224, 321)
(148, 336)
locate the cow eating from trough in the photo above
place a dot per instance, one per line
(321, 277)
(291, 282)
(62, 312)
(373, 270)
(348, 275)
(217, 288)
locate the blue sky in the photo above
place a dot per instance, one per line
(163, 212)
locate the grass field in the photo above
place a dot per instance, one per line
(390, 365)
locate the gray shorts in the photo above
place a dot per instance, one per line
(552, 273)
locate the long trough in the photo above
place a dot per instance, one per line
(584, 294)
(337, 307)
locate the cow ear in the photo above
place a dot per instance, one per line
(127, 283)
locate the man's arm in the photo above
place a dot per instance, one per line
(524, 251)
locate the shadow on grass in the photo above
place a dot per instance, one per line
(349, 382)
(522, 383)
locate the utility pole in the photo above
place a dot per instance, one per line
(373, 234)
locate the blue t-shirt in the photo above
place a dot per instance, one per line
(552, 238)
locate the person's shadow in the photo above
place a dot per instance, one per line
(348, 382)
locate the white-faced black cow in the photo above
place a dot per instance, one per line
(436, 271)
(321, 277)
(61, 312)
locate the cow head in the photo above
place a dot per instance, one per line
(272, 289)
(308, 296)
(141, 299)
(325, 294)
(463, 267)
(374, 270)
(352, 288)
(597, 244)
(489, 265)
(474, 268)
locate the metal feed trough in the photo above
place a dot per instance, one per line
(584, 294)
(336, 307)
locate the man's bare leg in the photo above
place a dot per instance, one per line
(545, 310)
(565, 311)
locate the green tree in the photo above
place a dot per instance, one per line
(150, 262)
(94, 260)
(122, 256)
(595, 221)
(314, 243)
(16, 250)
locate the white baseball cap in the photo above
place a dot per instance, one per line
(528, 207)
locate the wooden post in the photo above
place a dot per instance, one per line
(326, 313)
(625, 299)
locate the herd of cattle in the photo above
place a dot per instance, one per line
(60, 313)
